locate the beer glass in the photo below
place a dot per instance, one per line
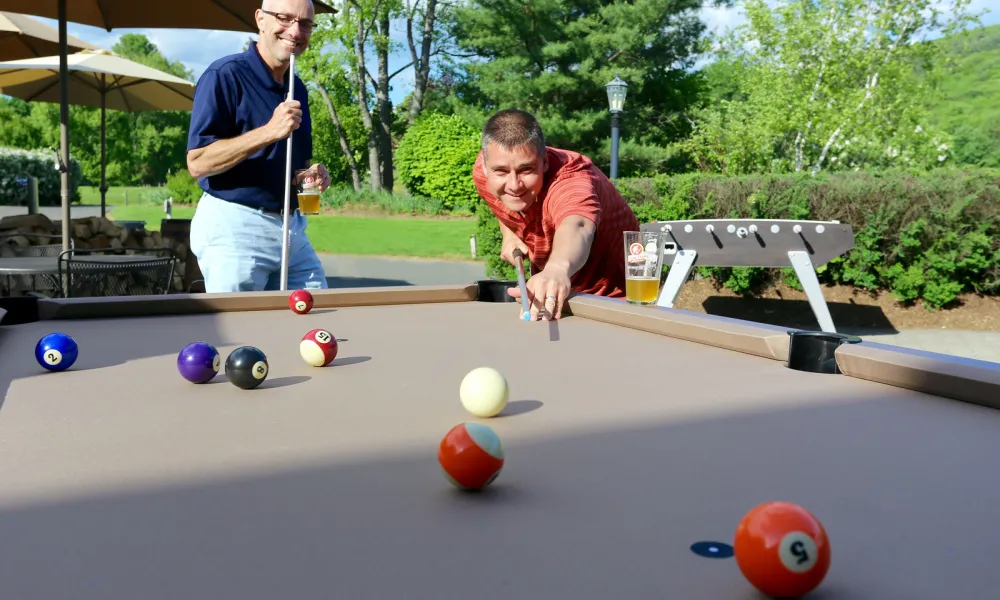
(308, 191)
(643, 265)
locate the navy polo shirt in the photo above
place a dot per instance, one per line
(235, 95)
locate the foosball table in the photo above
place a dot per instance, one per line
(778, 243)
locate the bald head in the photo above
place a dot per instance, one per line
(285, 27)
(280, 5)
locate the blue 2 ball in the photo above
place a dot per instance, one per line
(56, 352)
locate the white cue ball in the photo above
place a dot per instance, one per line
(484, 392)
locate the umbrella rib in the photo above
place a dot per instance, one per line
(26, 40)
(44, 89)
(120, 89)
(104, 17)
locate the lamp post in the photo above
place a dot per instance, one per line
(617, 89)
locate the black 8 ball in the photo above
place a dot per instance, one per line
(246, 367)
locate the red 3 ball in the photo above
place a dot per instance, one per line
(300, 301)
(782, 550)
(318, 347)
(471, 456)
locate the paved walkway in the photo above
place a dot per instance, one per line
(360, 271)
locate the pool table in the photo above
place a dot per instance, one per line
(632, 433)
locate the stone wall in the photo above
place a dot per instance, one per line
(19, 232)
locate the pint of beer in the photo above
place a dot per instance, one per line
(308, 191)
(309, 202)
(643, 265)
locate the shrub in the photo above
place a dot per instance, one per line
(183, 188)
(435, 158)
(17, 165)
(928, 236)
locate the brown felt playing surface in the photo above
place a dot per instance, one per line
(119, 480)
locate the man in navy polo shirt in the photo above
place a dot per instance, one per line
(236, 149)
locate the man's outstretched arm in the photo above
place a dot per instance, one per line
(571, 244)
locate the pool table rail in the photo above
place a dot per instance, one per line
(943, 375)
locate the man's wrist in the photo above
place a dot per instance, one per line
(557, 267)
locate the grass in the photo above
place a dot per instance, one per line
(391, 233)
(424, 238)
(116, 196)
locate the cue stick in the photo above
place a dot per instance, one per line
(524, 288)
(288, 183)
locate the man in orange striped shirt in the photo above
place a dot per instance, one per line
(554, 207)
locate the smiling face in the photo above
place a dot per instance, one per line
(282, 32)
(515, 175)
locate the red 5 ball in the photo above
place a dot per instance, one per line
(300, 301)
(782, 550)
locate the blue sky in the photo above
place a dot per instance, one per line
(197, 49)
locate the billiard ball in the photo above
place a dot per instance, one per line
(471, 456)
(318, 347)
(782, 549)
(198, 362)
(246, 367)
(300, 301)
(56, 351)
(484, 392)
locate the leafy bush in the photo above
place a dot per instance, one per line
(435, 158)
(183, 188)
(928, 236)
(17, 165)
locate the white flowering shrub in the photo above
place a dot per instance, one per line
(17, 165)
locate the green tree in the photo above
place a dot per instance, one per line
(17, 129)
(827, 84)
(553, 58)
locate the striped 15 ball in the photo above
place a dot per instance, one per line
(318, 347)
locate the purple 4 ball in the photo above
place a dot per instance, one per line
(198, 362)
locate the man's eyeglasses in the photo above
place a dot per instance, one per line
(286, 21)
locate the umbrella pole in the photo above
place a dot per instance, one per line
(64, 123)
(104, 155)
(288, 185)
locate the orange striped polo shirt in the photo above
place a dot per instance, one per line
(573, 186)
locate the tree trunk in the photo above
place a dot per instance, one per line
(421, 63)
(384, 125)
(345, 145)
(361, 81)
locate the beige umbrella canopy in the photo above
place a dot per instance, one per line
(99, 79)
(24, 37)
(228, 15)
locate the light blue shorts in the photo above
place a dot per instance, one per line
(239, 248)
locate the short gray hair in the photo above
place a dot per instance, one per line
(513, 128)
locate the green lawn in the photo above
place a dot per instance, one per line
(385, 236)
(424, 238)
(116, 196)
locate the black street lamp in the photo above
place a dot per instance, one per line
(617, 89)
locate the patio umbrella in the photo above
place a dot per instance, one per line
(229, 15)
(99, 79)
(23, 37)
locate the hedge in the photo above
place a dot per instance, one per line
(435, 159)
(923, 236)
(17, 165)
